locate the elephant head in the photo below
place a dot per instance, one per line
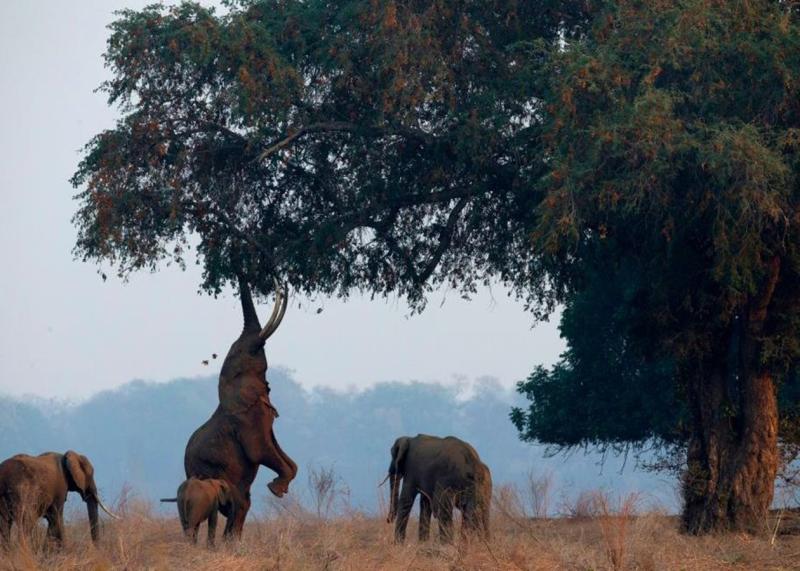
(79, 474)
(396, 472)
(224, 494)
(244, 391)
(246, 362)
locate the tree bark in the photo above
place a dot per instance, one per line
(732, 458)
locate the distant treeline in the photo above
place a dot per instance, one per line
(136, 435)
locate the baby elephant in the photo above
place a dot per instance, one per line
(200, 500)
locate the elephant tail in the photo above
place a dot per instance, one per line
(169, 499)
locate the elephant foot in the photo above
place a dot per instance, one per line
(278, 488)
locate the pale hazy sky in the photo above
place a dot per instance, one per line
(65, 333)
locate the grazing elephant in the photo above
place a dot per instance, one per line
(448, 473)
(32, 487)
(199, 501)
(238, 438)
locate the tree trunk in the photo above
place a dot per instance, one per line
(732, 458)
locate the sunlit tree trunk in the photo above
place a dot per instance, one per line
(733, 451)
(732, 459)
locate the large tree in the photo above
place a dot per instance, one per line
(671, 223)
(641, 154)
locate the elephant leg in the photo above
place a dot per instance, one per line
(444, 513)
(235, 523)
(26, 522)
(55, 525)
(6, 522)
(424, 517)
(404, 504)
(186, 526)
(193, 532)
(212, 528)
(276, 459)
(468, 524)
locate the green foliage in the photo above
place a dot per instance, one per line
(605, 391)
(672, 196)
(364, 144)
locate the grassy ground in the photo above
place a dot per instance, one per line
(607, 538)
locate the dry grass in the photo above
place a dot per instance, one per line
(613, 536)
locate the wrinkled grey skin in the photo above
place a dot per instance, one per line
(447, 473)
(32, 487)
(199, 501)
(238, 438)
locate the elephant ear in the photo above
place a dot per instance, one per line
(224, 494)
(76, 470)
(240, 397)
(399, 451)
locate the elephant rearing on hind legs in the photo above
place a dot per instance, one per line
(447, 473)
(238, 438)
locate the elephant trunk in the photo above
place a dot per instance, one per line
(91, 508)
(484, 490)
(394, 496)
(396, 471)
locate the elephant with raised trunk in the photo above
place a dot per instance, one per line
(239, 437)
(32, 487)
(447, 473)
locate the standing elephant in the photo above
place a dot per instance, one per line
(448, 473)
(199, 501)
(238, 438)
(32, 487)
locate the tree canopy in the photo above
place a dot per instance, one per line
(379, 145)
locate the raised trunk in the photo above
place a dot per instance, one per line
(733, 451)
(248, 309)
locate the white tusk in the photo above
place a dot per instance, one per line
(281, 301)
(105, 509)
(269, 326)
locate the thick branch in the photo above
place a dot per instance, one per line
(340, 126)
(445, 238)
(228, 224)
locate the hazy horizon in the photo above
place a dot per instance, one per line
(135, 436)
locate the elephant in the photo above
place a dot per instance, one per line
(32, 487)
(199, 501)
(447, 473)
(239, 436)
